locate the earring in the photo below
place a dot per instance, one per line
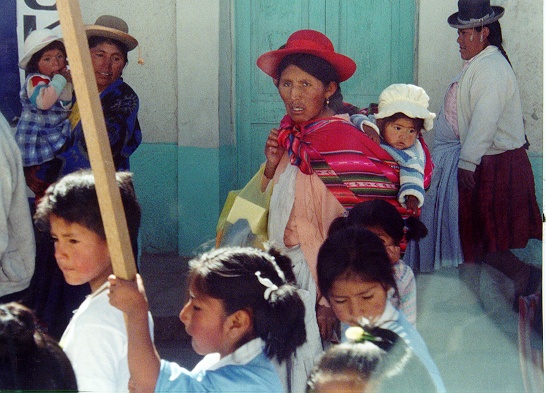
(481, 37)
(471, 38)
(327, 101)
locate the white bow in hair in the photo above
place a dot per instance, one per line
(268, 284)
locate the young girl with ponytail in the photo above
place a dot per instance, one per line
(242, 312)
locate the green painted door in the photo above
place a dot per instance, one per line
(378, 34)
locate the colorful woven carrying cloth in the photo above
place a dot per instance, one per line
(353, 167)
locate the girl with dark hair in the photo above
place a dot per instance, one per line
(243, 312)
(29, 359)
(356, 276)
(383, 219)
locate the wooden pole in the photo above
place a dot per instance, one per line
(96, 139)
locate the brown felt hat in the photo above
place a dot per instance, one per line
(112, 27)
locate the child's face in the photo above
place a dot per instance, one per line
(52, 62)
(400, 133)
(393, 249)
(353, 298)
(206, 322)
(81, 254)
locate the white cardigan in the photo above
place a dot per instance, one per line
(17, 247)
(489, 110)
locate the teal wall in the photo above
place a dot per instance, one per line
(156, 184)
(198, 188)
(182, 190)
(178, 189)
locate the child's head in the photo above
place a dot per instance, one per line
(402, 114)
(237, 294)
(355, 274)
(70, 212)
(345, 368)
(44, 53)
(30, 360)
(382, 218)
(365, 367)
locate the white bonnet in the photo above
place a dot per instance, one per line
(35, 42)
(410, 100)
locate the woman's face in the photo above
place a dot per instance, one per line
(304, 96)
(108, 63)
(471, 42)
(353, 298)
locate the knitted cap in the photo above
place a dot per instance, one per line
(410, 100)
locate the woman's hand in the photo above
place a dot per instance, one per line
(326, 320)
(273, 153)
(128, 296)
(466, 178)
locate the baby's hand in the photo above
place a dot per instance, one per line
(412, 204)
(128, 296)
(66, 73)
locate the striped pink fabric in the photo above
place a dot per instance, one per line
(350, 164)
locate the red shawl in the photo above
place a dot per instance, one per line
(353, 167)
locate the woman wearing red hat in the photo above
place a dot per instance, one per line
(320, 165)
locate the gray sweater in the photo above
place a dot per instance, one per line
(17, 247)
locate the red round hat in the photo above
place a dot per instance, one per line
(312, 42)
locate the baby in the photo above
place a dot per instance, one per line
(403, 114)
(46, 99)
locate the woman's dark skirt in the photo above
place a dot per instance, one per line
(501, 212)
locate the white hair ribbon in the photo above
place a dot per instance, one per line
(266, 282)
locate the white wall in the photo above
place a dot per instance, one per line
(198, 72)
(522, 28)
